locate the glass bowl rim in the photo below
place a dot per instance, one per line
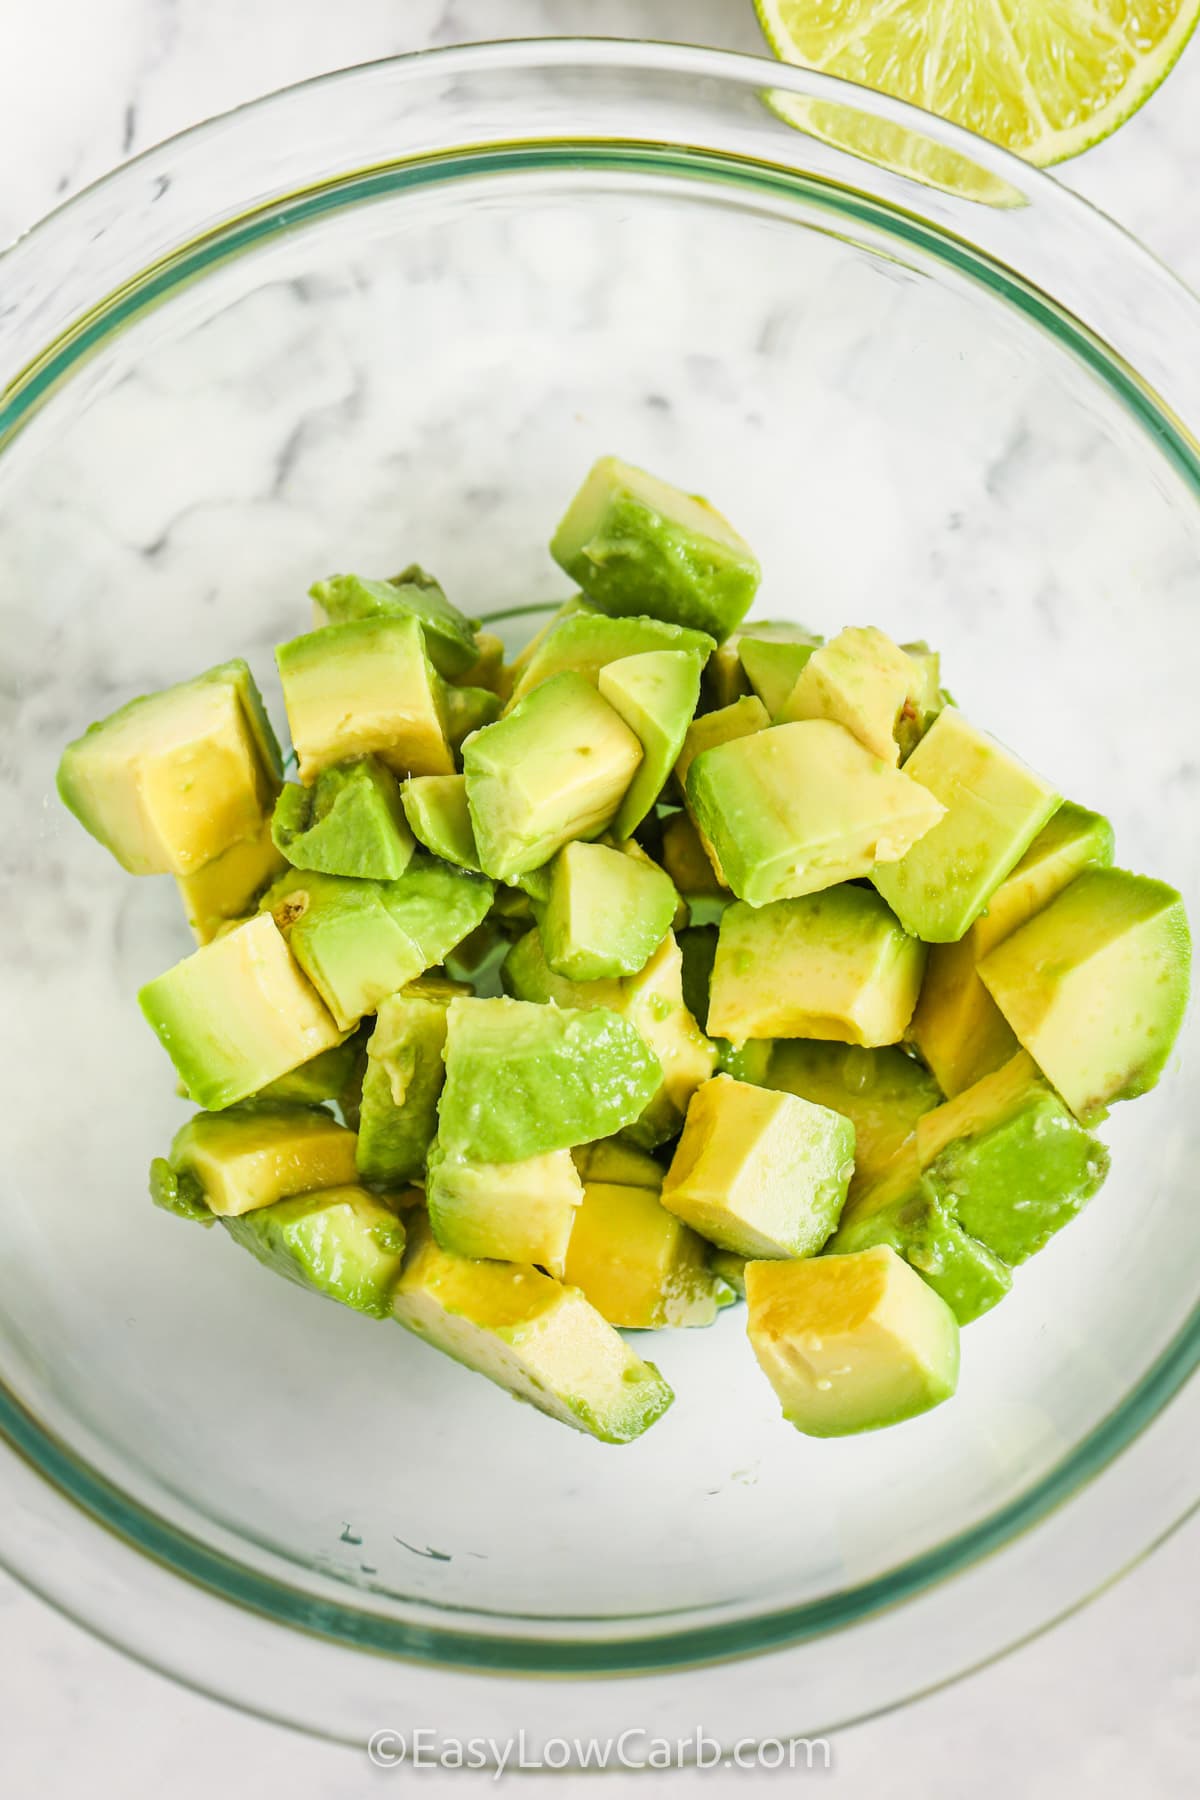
(177, 1550)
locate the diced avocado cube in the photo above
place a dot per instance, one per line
(343, 1243)
(349, 822)
(832, 965)
(861, 680)
(774, 665)
(851, 1343)
(526, 1332)
(633, 848)
(403, 1082)
(618, 1164)
(725, 676)
(652, 1002)
(690, 867)
(928, 695)
(346, 939)
(524, 1079)
(903, 1209)
(993, 808)
(468, 709)
(761, 1173)
(957, 1027)
(883, 1092)
(514, 670)
(228, 887)
(237, 1014)
(439, 817)
(438, 906)
(1010, 1161)
(256, 1154)
(802, 807)
(517, 1212)
(740, 719)
(727, 1266)
(1096, 986)
(656, 695)
(584, 641)
(750, 1061)
(640, 1266)
(367, 687)
(323, 1077)
(449, 636)
(606, 913)
(487, 669)
(172, 780)
(555, 768)
(636, 544)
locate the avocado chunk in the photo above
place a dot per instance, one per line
(725, 676)
(403, 1082)
(957, 1027)
(851, 1343)
(656, 695)
(555, 768)
(468, 709)
(636, 544)
(928, 696)
(237, 1014)
(261, 1152)
(517, 1212)
(729, 1267)
(882, 1092)
(350, 822)
(774, 663)
(861, 680)
(327, 1076)
(526, 1332)
(170, 781)
(1013, 1164)
(438, 906)
(346, 939)
(802, 807)
(227, 888)
(993, 808)
(583, 642)
(741, 718)
(831, 965)
(1096, 986)
(365, 688)
(640, 1266)
(487, 671)
(524, 1079)
(652, 1002)
(439, 817)
(690, 867)
(904, 1209)
(606, 912)
(761, 1173)
(616, 1163)
(343, 1243)
(449, 637)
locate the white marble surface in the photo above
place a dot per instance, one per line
(1106, 1704)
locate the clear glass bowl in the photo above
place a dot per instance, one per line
(394, 315)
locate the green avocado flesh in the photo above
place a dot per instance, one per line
(343, 1242)
(637, 545)
(674, 958)
(350, 822)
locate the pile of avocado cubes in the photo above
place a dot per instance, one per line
(678, 960)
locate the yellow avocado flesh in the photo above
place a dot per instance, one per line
(439, 817)
(606, 912)
(365, 688)
(227, 887)
(616, 1164)
(957, 1026)
(523, 1330)
(518, 1212)
(994, 807)
(171, 781)
(555, 768)
(639, 1265)
(344, 1243)
(1095, 986)
(687, 862)
(237, 1014)
(252, 1157)
(850, 1343)
(656, 695)
(741, 719)
(861, 680)
(882, 1092)
(830, 965)
(761, 1173)
(802, 807)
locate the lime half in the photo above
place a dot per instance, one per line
(1045, 78)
